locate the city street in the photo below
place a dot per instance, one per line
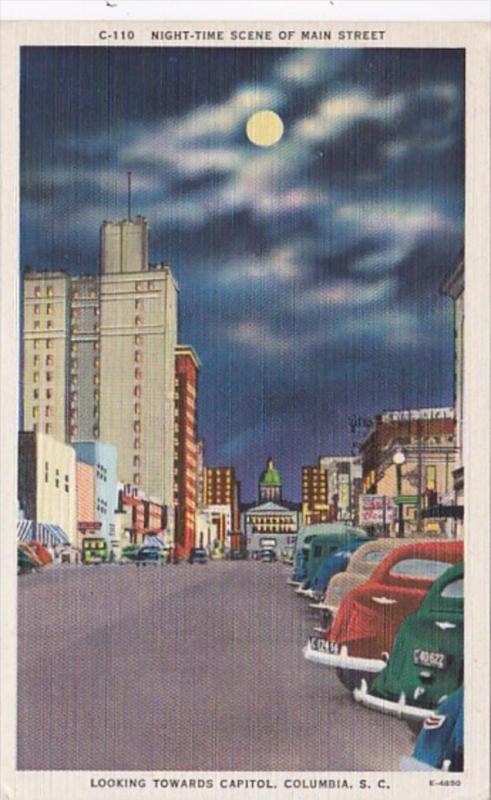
(183, 668)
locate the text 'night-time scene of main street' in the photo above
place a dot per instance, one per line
(240, 477)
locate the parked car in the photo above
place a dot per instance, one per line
(26, 562)
(238, 555)
(360, 639)
(440, 745)
(326, 539)
(427, 660)
(95, 550)
(42, 553)
(362, 565)
(268, 555)
(129, 553)
(332, 565)
(150, 555)
(198, 555)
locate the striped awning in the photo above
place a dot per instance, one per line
(28, 531)
(149, 540)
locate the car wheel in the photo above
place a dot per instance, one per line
(415, 725)
(350, 678)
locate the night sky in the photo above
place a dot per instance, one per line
(309, 271)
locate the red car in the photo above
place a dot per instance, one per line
(360, 639)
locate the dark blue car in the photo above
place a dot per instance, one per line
(440, 745)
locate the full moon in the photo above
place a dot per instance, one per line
(264, 128)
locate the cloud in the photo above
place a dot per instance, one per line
(280, 264)
(336, 114)
(346, 294)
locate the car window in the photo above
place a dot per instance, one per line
(420, 568)
(374, 556)
(454, 589)
(317, 551)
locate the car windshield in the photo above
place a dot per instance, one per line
(198, 552)
(419, 568)
(454, 589)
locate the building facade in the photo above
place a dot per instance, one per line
(102, 458)
(99, 357)
(315, 503)
(425, 439)
(185, 448)
(86, 521)
(222, 503)
(47, 482)
(343, 486)
(271, 524)
(454, 287)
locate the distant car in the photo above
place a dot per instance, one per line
(427, 660)
(149, 555)
(359, 642)
(198, 555)
(238, 555)
(440, 745)
(26, 562)
(268, 556)
(129, 553)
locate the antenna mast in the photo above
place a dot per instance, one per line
(129, 195)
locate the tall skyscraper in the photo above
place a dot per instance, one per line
(185, 447)
(99, 357)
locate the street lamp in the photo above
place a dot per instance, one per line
(399, 459)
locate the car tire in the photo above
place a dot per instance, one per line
(415, 726)
(350, 678)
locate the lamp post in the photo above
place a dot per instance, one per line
(399, 459)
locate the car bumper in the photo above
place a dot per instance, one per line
(411, 764)
(397, 708)
(304, 592)
(342, 660)
(291, 582)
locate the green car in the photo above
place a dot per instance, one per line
(130, 552)
(24, 563)
(427, 660)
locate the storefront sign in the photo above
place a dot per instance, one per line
(375, 509)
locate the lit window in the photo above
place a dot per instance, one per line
(136, 478)
(75, 313)
(51, 291)
(75, 294)
(48, 427)
(49, 324)
(49, 361)
(140, 287)
(96, 430)
(49, 376)
(74, 347)
(96, 380)
(96, 347)
(137, 391)
(49, 344)
(74, 430)
(139, 339)
(75, 328)
(138, 374)
(37, 308)
(74, 363)
(74, 397)
(97, 363)
(92, 294)
(37, 291)
(35, 394)
(36, 361)
(136, 444)
(138, 322)
(137, 427)
(151, 285)
(139, 305)
(74, 381)
(138, 356)
(49, 309)
(97, 311)
(96, 395)
(97, 328)
(136, 461)
(36, 324)
(48, 411)
(35, 377)
(137, 409)
(35, 412)
(49, 394)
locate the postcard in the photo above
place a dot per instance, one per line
(245, 409)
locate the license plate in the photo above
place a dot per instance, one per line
(324, 646)
(429, 658)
